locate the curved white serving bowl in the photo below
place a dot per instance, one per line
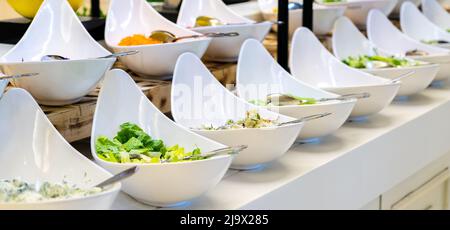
(312, 63)
(357, 10)
(210, 103)
(4, 48)
(417, 26)
(324, 16)
(34, 151)
(221, 49)
(384, 35)
(396, 10)
(126, 18)
(120, 100)
(259, 75)
(57, 30)
(436, 13)
(349, 41)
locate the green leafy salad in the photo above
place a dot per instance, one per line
(133, 145)
(376, 61)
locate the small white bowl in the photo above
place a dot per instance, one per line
(396, 10)
(210, 103)
(312, 63)
(417, 26)
(126, 18)
(57, 30)
(324, 16)
(436, 13)
(258, 75)
(165, 185)
(348, 41)
(224, 49)
(34, 151)
(357, 10)
(384, 35)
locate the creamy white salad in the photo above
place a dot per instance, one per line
(18, 191)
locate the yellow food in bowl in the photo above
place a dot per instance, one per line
(29, 8)
(137, 40)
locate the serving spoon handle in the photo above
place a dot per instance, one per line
(18, 76)
(346, 97)
(209, 35)
(52, 57)
(120, 54)
(218, 152)
(118, 177)
(304, 119)
(401, 76)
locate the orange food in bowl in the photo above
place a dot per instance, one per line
(138, 39)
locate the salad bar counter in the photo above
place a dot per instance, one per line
(357, 164)
(210, 111)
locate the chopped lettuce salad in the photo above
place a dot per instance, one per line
(376, 61)
(133, 145)
(18, 191)
(252, 120)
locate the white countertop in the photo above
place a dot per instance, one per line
(346, 170)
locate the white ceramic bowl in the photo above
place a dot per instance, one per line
(224, 49)
(199, 99)
(4, 48)
(126, 18)
(396, 10)
(324, 16)
(258, 75)
(348, 41)
(384, 35)
(357, 10)
(312, 63)
(34, 151)
(417, 26)
(170, 184)
(436, 13)
(57, 30)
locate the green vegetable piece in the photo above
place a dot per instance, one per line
(125, 157)
(108, 157)
(129, 130)
(133, 143)
(155, 145)
(105, 145)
